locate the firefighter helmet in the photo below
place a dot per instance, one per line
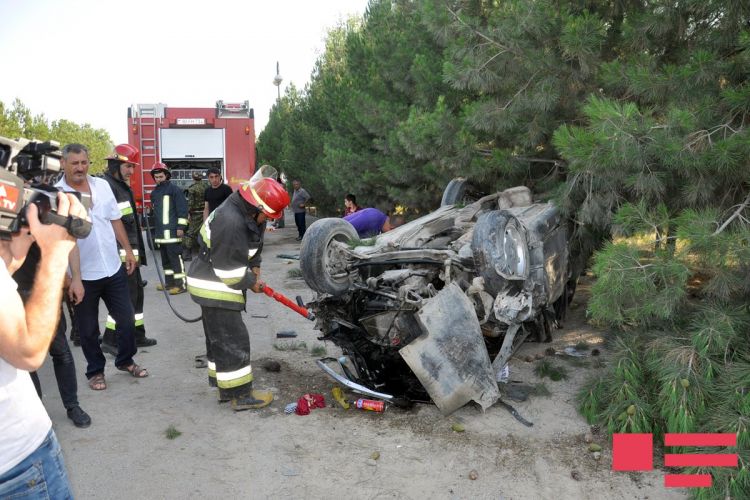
(160, 167)
(264, 192)
(126, 153)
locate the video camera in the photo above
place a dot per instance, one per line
(22, 161)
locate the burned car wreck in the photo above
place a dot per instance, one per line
(434, 309)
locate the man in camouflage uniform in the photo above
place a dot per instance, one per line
(196, 200)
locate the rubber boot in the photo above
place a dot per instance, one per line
(252, 400)
(109, 343)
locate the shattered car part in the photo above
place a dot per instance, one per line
(421, 310)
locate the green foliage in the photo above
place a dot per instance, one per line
(547, 369)
(631, 290)
(17, 121)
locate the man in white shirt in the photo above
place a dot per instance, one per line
(98, 273)
(31, 463)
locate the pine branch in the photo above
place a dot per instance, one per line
(479, 33)
(737, 213)
(507, 104)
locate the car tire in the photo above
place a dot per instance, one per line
(317, 253)
(489, 251)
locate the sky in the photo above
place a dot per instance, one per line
(89, 60)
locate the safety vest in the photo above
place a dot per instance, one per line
(230, 245)
(129, 217)
(170, 212)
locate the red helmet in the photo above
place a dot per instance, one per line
(160, 167)
(264, 192)
(126, 154)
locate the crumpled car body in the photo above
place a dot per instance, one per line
(434, 309)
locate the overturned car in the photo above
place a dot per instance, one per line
(434, 309)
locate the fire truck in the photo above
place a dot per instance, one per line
(190, 139)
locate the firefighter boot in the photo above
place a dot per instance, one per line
(109, 343)
(252, 400)
(142, 341)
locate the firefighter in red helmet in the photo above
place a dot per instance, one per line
(170, 218)
(227, 265)
(120, 166)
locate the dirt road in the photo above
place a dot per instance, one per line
(125, 454)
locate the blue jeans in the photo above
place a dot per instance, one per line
(40, 475)
(114, 291)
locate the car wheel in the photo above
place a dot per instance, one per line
(501, 254)
(322, 260)
(460, 190)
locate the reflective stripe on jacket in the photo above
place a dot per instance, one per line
(230, 244)
(126, 204)
(170, 212)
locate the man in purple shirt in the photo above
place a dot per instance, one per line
(369, 222)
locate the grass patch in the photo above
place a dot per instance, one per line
(546, 369)
(295, 273)
(541, 390)
(172, 432)
(290, 346)
(318, 350)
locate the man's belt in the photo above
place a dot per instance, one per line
(196, 212)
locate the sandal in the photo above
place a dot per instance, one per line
(134, 370)
(97, 382)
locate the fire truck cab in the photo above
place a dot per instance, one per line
(191, 139)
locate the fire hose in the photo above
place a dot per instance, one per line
(297, 307)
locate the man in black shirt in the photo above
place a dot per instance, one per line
(216, 193)
(62, 358)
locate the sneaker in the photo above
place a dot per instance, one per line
(144, 342)
(298, 238)
(176, 290)
(79, 417)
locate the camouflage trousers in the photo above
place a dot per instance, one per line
(191, 235)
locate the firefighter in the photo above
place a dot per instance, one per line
(227, 265)
(196, 200)
(170, 216)
(120, 166)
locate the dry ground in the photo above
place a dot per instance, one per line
(267, 454)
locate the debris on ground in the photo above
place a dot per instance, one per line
(201, 361)
(290, 408)
(287, 256)
(259, 315)
(547, 369)
(473, 475)
(286, 334)
(595, 352)
(375, 455)
(371, 462)
(597, 455)
(593, 447)
(575, 475)
(338, 396)
(550, 351)
(289, 472)
(458, 427)
(309, 402)
(516, 391)
(529, 358)
(272, 366)
(588, 438)
(370, 404)
(572, 351)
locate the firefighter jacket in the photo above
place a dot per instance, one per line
(197, 197)
(170, 212)
(230, 245)
(126, 204)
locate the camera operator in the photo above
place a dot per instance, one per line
(30, 458)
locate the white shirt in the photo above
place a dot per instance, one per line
(24, 423)
(99, 255)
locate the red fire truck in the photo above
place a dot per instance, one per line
(189, 139)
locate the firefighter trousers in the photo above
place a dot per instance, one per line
(171, 261)
(228, 352)
(136, 298)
